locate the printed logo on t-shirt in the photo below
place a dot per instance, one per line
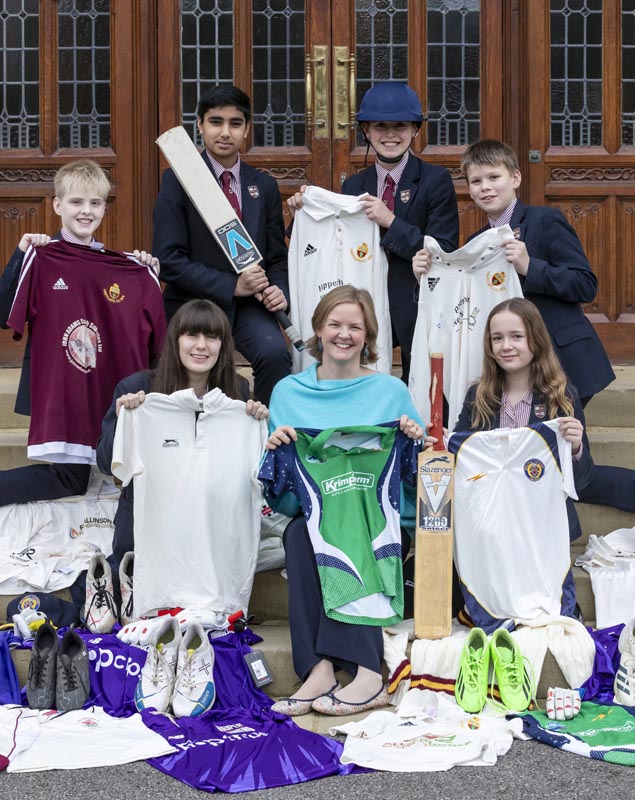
(309, 250)
(496, 281)
(113, 295)
(59, 284)
(23, 556)
(465, 315)
(361, 252)
(348, 481)
(170, 443)
(432, 282)
(534, 469)
(82, 342)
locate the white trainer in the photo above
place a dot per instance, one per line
(194, 689)
(100, 612)
(156, 682)
(624, 686)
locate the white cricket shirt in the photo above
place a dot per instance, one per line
(197, 499)
(334, 243)
(455, 298)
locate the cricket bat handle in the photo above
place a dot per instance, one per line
(290, 330)
(436, 399)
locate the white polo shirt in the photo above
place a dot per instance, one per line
(197, 499)
(334, 243)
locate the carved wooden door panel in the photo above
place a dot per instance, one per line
(579, 149)
(68, 71)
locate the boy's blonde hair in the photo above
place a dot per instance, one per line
(492, 152)
(83, 174)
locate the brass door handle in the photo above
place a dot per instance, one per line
(344, 92)
(317, 109)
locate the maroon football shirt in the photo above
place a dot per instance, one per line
(95, 317)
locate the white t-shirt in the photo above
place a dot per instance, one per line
(44, 545)
(197, 502)
(610, 561)
(334, 243)
(428, 733)
(88, 738)
(455, 298)
(511, 532)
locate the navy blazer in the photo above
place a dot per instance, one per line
(8, 289)
(582, 467)
(192, 263)
(559, 278)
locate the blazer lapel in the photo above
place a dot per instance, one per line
(251, 198)
(407, 189)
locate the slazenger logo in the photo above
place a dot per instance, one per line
(348, 481)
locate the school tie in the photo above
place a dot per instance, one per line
(229, 194)
(389, 193)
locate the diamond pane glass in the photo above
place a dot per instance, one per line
(576, 73)
(19, 74)
(453, 71)
(278, 90)
(84, 73)
(207, 52)
(628, 72)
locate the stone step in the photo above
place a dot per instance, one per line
(276, 648)
(600, 520)
(9, 379)
(614, 446)
(13, 448)
(614, 406)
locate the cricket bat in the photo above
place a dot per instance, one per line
(434, 533)
(216, 212)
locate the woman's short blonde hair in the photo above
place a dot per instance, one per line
(337, 296)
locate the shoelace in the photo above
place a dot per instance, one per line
(69, 676)
(36, 671)
(159, 668)
(187, 673)
(517, 668)
(101, 598)
(473, 662)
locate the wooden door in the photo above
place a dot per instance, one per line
(73, 88)
(578, 145)
(306, 63)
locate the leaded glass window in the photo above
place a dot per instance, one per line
(628, 72)
(453, 71)
(84, 73)
(576, 73)
(207, 52)
(278, 100)
(19, 74)
(381, 33)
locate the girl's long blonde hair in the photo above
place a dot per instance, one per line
(546, 377)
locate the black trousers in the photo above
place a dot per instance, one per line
(43, 482)
(609, 486)
(313, 635)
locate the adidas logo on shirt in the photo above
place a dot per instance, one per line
(310, 250)
(59, 284)
(432, 282)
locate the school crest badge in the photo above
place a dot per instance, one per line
(404, 195)
(253, 191)
(113, 294)
(361, 252)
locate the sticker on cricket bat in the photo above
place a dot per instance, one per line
(436, 470)
(238, 247)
